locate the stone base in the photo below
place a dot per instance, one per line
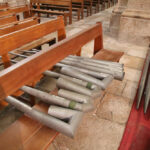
(115, 20)
(135, 30)
(114, 24)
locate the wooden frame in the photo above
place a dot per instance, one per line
(67, 3)
(15, 26)
(26, 70)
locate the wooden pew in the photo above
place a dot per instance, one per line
(81, 4)
(79, 10)
(67, 3)
(38, 31)
(18, 25)
(14, 10)
(30, 132)
(8, 19)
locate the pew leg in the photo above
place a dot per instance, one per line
(65, 20)
(82, 13)
(79, 53)
(6, 60)
(47, 15)
(78, 14)
(39, 15)
(91, 11)
(70, 19)
(87, 11)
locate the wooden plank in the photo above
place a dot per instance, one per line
(24, 36)
(19, 9)
(26, 70)
(46, 136)
(8, 19)
(17, 22)
(18, 26)
(109, 55)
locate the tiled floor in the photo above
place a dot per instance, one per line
(103, 128)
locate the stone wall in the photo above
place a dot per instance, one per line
(133, 24)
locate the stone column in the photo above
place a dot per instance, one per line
(116, 15)
(135, 22)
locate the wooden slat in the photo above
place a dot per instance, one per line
(17, 22)
(19, 9)
(109, 55)
(26, 70)
(18, 26)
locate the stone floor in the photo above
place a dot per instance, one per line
(103, 128)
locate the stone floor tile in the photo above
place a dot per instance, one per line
(114, 108)
(93, 134)
(73, 31)
(132, 62)
(137, 53)
(116, 87)
(132, 74)
(130, 90)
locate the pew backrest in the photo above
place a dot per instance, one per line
(18, 25)
(8, 19)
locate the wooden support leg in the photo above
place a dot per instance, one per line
(91, 11)
(79, 53)
(70, 19)
(61, 32)
(65, 20)
(6, 60)
(98, 42)
(82, 14)
(39, 15)
(88, 10)
(78, 14)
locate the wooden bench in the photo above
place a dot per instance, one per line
(26, 133)
(14, 10)
(84, 7)
(66, 3)
(8, 19)
(18, 25)
(79, 10)
(43, 29)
